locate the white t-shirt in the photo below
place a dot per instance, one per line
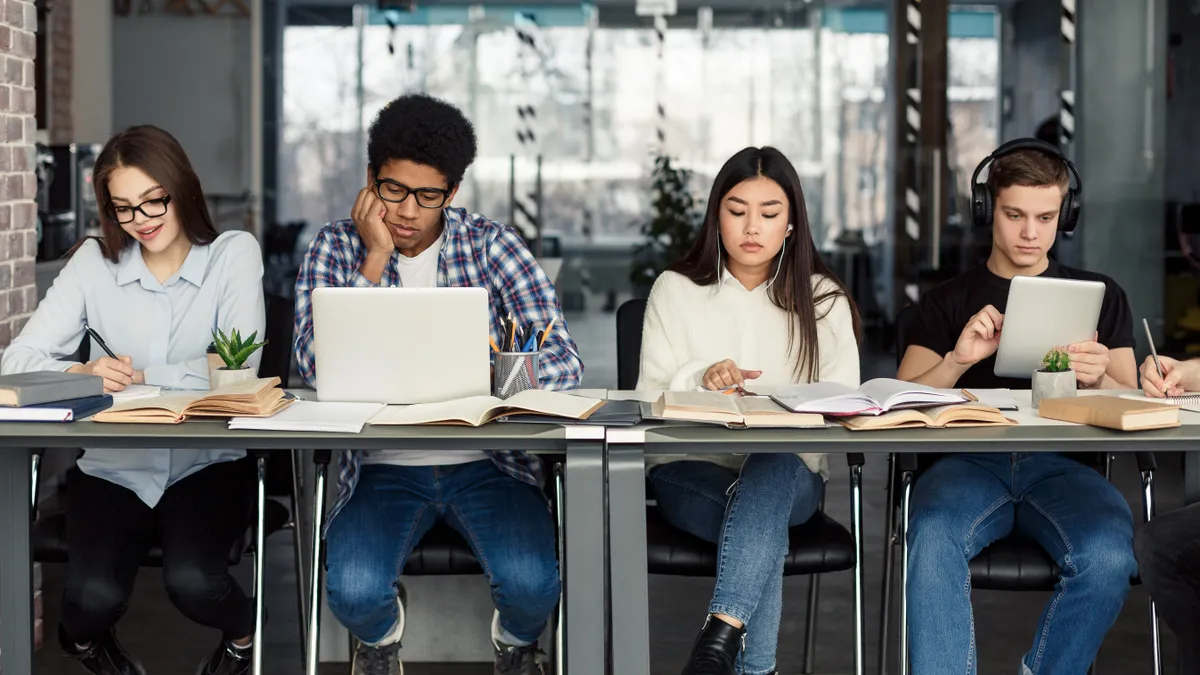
(420, 271)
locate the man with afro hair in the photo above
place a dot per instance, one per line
(403, 231)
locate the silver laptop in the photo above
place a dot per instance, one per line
(401, 345)
(1043, 313)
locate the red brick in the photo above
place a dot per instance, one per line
(31, 243)
(16, 245)
(12, 188)
(6, 217)
(30, 130)
(6, 333)
(30, 76)
(24, 215)
(29, 185)
(14, 129)
(24, 273)
(5, 284)
(23, 158)
(16, 302)
(31, 13)
(24, 44)
(31, 298)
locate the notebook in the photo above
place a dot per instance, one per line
(313, 416)
(872, 398)
(609, 414)
(1110, 412)
(941, 417)
(47, 386)
(735, 412)
(475, 411)
(133, 391)
(57, 411)
(249, 398)
(1189, 401)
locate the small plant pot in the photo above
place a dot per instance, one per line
(223, 376)
(1052, 385)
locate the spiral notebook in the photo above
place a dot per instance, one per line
(1189, 401)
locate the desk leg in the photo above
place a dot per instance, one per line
(312, 654)
(584, 566)
(16, 566)
(627, 549)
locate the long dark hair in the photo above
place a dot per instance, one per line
(792, 290)
(157, 153)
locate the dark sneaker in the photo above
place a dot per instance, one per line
(104, 656)
(227, 659)
(370, 660)
(516, 660)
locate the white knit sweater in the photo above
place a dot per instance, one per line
(688, 328)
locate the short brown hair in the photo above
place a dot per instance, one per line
(156, 152)
(1028, 168)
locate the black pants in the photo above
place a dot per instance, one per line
(197, 521)
(1168, 553)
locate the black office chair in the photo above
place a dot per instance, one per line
(1012, 563)
(50, 539)
(816, 547)
(441, 552)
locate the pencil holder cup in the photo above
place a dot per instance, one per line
(513, 373)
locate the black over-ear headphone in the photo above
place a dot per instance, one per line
(981, 196)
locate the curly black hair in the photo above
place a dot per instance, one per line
(425, 130)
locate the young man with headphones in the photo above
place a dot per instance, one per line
(962, 503)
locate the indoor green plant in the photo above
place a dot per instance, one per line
(671, 229)
(1055, 379)
(234, 351)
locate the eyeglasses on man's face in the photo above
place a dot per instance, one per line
(427, 197)
(151, 208)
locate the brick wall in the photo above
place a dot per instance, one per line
(18, 185)
(61, 120)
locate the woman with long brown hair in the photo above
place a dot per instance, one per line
(750, 305)
(154, 286)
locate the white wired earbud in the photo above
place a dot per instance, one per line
(779, 266)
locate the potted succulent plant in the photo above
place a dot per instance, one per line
(1054, 379)
(234, 351)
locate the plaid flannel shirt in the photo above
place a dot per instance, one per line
(475, 252)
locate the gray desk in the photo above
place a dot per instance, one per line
(583, 568)
(627, 450)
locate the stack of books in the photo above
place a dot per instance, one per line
(50, 396)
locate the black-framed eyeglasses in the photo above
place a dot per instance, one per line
(151, 208)
(427, 197)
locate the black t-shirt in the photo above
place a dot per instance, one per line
(944, 311)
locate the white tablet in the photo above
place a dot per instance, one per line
(1043, 313)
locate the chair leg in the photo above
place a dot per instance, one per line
(856, 526)
(314, 589)
(298, 553)
(559, 631)
(810, 623)
(1147, 515)
(260, 557)
(889, 562)
(905, 502)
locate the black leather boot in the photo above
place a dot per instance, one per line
(716, 649)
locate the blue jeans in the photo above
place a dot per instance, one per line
(506, 522)
(750, 526)
(965, 502)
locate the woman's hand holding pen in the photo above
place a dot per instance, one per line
(726, 374)
(117, 373)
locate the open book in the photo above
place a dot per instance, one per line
(872, 398)
(475, 411)
(965, 415)
(251, 398)
(733, 411)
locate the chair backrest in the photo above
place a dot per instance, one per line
(629, 342)
(277, 353)
(904, 319)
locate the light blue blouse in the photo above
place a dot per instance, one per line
(164, 327)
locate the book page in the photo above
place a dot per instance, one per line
(760, 405)
(547, 402)
(966, 415)
(175, 402)
(891, 393)
(830, 398)
(704, 401)
(761, 411)
(473, 410)
(896, 419)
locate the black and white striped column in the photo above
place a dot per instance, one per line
(1066, 111)
(912, 124)
(660, 34)
(527, 114)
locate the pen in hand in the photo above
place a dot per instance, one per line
(99, 340)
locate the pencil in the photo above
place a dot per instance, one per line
(493, 343)
(546, 333)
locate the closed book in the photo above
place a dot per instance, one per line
(47, 386)
(1110, 412)
(58, 411)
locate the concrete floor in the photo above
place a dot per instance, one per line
(170, 645)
